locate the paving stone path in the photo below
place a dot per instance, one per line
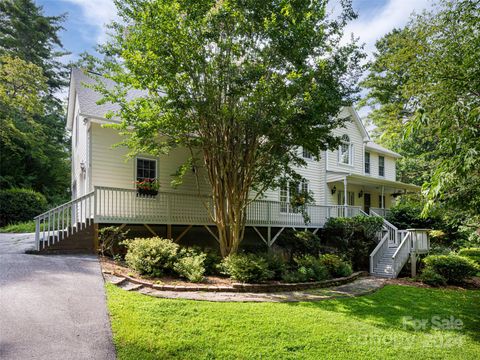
(362, 286)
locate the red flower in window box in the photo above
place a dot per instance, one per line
(147, 187)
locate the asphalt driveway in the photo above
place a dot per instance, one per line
(51, 306)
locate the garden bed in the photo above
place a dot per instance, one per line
(216, 283)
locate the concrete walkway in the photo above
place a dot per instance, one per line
(362, 286)
(51, 307)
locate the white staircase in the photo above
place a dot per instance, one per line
(395, 248)
(384, 267)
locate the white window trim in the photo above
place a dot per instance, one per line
(149, 159)
(310, 155)
(287, 203)
(350, 154)
(369, 173)
(384, 167)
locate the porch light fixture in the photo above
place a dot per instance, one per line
(334, 189)
(360, 194)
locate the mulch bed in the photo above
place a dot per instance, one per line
(214, 283)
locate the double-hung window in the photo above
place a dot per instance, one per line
(345, 151)
(367, 163)
(381, 166)
(146, 169)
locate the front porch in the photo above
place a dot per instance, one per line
(373, 195)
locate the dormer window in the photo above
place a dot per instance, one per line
(345, 151)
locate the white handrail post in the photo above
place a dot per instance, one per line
(37, 234)
(95, 202)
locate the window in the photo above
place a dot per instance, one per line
(350, 199)
(345, 151)
(306, 154)
(287, 193)
(146, 169)
(381, 166)
(367, 163)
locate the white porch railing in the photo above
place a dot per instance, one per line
(401, 255)
(380, 211)
(394, 233)
(126, 206)
(115, 205)
(64, 220)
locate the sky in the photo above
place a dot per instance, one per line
(85, 24)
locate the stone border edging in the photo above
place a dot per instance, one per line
(242, 287)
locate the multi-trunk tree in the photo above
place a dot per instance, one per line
(242, 84)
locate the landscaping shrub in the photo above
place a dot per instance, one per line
(276, 264)
(432, 278)
(336, 266)
(151, 256)
(17, 205)
(111, 239)
(212, 261)
(453, 268)
(472, 254)
(190, 265)
(354, 238)
(247, 268)
(299, 243)
(307, 268)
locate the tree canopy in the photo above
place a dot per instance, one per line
(425, 85)
(34, 144)
(242, 84)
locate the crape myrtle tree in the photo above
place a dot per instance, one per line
(242, 84)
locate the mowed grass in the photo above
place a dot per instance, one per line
(369, 327)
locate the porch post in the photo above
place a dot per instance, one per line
(345, 196)
(383, 194)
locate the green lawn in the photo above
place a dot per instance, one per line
(369, 327)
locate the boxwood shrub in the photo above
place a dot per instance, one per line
(17, 205)
(151, 256)
(453, 268)
(250, 268)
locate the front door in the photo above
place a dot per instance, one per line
(367, 202)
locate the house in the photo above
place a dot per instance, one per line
(357, 178)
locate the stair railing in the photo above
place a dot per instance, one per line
(401, 255)
(392, 229)
(378, 252)
(64, 220)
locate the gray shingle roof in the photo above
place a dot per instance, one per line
(88, 97)
(375, 147)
